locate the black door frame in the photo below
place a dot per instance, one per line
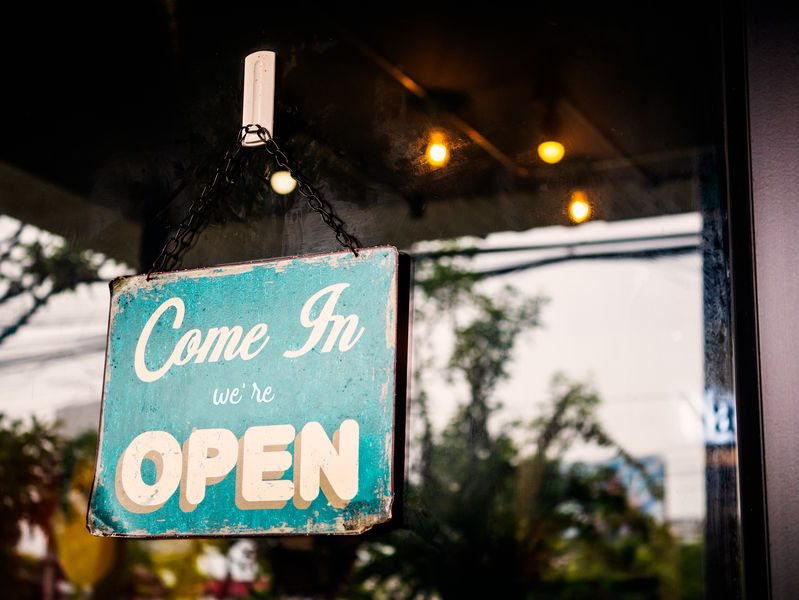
(761, 69)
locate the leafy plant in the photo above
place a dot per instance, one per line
(34, 272)
(490, 515)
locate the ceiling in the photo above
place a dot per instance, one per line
(117, 113)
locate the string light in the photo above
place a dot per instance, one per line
(437, 152)
(551, 151)
(282, 182)
(579, 207)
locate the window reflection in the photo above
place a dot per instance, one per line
(571, 420)
(558, 408)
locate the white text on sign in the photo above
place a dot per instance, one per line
(231, 342)
(260, 457)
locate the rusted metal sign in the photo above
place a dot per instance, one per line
(252, 399)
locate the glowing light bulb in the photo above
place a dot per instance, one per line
(579, 207)
(551, 151)
(282, 182)
(437, 154)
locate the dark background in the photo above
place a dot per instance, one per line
(121, 104)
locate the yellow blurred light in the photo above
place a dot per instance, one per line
(437, 154)
(579, 208)
(282, 182)
(551, 151)
(84, 558)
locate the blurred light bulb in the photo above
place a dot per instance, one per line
(551, 151)
(282, 182)
(579, 207)
(437, 154)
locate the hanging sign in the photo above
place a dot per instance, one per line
(254, 398)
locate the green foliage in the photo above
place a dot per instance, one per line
(46, 483)
(36, 272)
(491, 515)
(30, 473)
(506, 524)
(63, 267)
(691, 562)
(445, 284)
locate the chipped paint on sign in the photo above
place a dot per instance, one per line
(250, 399)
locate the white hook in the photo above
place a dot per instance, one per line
(259, 94)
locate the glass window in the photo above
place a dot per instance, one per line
(555, 176)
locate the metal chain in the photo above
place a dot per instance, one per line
(225, 177)
(227, 174)
(315, 202)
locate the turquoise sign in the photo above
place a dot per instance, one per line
(251, 399)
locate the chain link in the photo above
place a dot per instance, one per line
(315, 202)
(233, 165)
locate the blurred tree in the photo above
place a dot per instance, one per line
(34, 272)
(46, 483)
(47, 477)
(102, 568)
(489, 516)
(30, 469)
(84, 559)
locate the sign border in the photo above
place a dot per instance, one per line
(403, 280)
